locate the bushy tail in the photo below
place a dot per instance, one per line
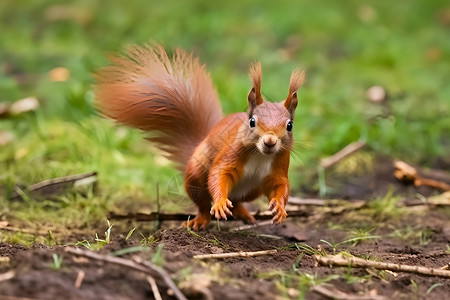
(173, 100)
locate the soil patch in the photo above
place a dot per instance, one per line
(418, 236)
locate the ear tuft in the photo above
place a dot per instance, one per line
(296, 81)
(255, 74)
(297, 78)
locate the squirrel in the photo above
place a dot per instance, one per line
(225, 160)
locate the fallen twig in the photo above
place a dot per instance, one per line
(341, 154)
(23, 230)
(146, 268)
(442, 199)
(265, 215)
(4, 225)
(4, 297)
(252, 226)
(307, 201)
(339, 205)
(341, 261)
(79, 279)
(154, 287)
(58, 185)
(333, 206)
(349, 205)
(151, 216)
(438, 200)
(235, 254)
(7, 275)
(409, 174)
(334, 293)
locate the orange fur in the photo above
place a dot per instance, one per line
(296, 81)
(173, 100)
(255, 75)
(226, 161)
(297, 78)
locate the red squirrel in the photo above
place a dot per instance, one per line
(225, 160)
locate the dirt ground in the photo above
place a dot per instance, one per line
(290, 273)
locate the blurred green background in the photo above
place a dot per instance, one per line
(345, 46)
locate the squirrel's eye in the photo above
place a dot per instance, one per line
(252, 122)
(289, 126)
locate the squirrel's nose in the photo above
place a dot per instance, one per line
(269, 140)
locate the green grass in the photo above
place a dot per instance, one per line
(295, 284)
(99, 242)
(384, 208)
(358, 236)
(345, 46)
(57, 262)
(413, 235)
(214, 241)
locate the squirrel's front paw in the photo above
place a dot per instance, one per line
(221, 209)
(278, 211)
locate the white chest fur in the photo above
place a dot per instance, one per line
(256, 168)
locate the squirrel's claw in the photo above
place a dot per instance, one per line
(200, 222)
(221, 209)
(278, 211)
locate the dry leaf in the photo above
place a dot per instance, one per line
(4, 108)
(68, 12)
(366, 14)
(444, 16)
(24, 105)
(404, 172)
(59, 74)
(434, 54)
(5, 137)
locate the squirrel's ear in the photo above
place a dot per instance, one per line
(254, 96)
(297, 79)
(291, 103)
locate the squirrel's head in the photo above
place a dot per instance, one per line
(270, 124)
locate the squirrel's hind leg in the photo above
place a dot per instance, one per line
(202, 199)
(240, 212)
